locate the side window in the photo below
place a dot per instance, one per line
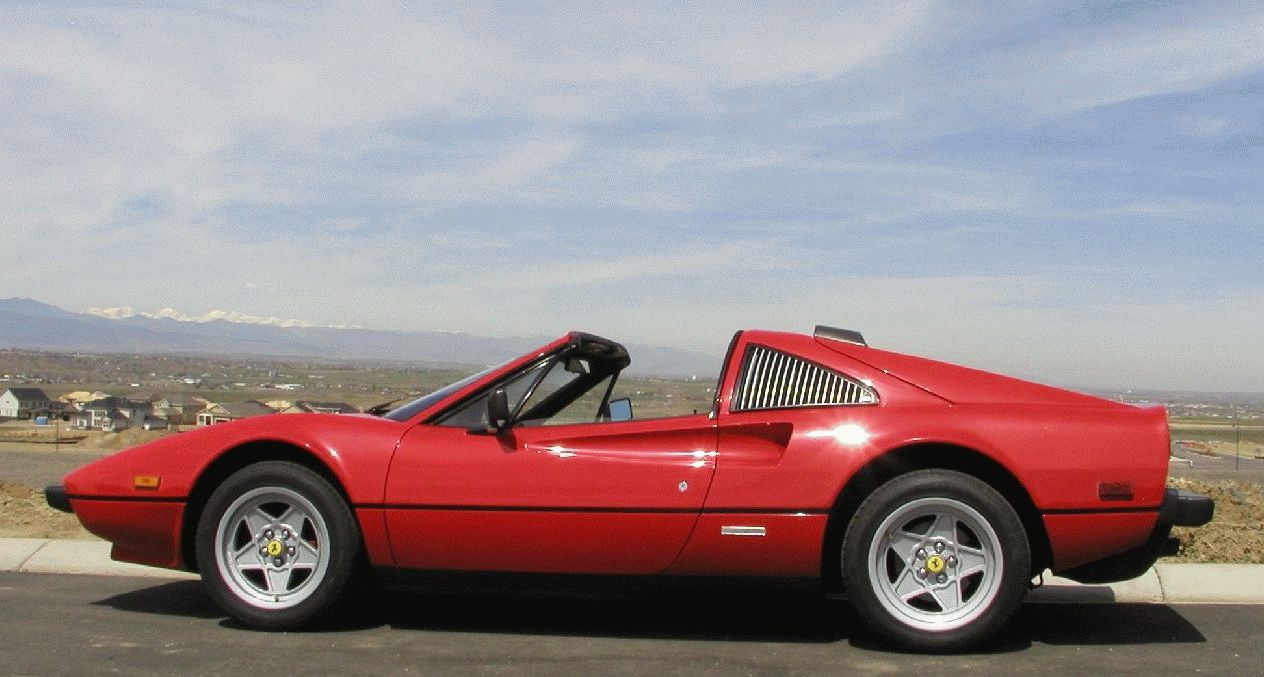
(553, 392)
(518, 388)
(772, 379)
(474, 413)
(557, 379)
(584, 409)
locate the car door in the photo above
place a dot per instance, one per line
(614, 497)
(588, 498)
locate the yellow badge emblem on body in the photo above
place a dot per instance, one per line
(935, 564)
(275, 548)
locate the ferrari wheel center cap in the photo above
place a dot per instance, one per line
(275, 548)
(934, 564)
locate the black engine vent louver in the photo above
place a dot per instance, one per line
(774, 380)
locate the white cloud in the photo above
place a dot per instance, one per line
(645, 168)
(1066, 74)
(499, 173)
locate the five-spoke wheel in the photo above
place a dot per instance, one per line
(271, 543)
(935, 560)
(935, 563)
(277, 545)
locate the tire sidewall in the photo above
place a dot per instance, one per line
(343, 548)
(1015, 558)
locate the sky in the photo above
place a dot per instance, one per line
(1070, 192)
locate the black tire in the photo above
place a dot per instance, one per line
(935, 560)
(304, 546)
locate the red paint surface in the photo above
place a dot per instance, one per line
(538, 541)
(1077, 539)
(142, 532)
(650, 495)
(791, 546)
(444, 480)
(377, 545)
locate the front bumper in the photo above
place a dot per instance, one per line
(1180, 508)
(141, 531)
(56, 496)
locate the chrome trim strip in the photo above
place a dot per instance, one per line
(736, 530)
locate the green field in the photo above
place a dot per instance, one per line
(1249, 437)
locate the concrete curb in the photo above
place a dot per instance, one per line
(1162, 584)
(66, 556)
(1170, 583)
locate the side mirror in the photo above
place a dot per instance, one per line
(498, 409)
(621, 409)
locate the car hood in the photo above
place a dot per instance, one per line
(963, 385)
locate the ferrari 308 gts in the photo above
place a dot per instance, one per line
(928, 494)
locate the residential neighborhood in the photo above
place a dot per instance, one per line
(101, 411)
(24, 403)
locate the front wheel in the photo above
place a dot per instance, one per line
(277, 546)
(936, 560)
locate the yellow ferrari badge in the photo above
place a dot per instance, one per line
(935, 564)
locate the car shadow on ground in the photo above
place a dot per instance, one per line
(753, 615)
(181, 598)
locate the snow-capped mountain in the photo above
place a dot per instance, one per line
(32, 325)
(236, 317)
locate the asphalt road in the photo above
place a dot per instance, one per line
(1209, 467)
(87, 625)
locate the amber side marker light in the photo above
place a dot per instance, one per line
(1114, 491)
(146, 481)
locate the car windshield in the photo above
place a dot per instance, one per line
(407, 411)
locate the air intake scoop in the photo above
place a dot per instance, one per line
(836, 334)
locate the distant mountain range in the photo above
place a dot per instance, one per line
(32, 325)
(124, 312)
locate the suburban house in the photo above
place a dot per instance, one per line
(154, 423)
(308, 407)
(179, 409)
(113, 413)
(114, 420)
(82, 420)
(24, 403)
(231, 411)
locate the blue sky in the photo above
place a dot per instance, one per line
(1068, 192)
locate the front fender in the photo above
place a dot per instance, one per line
(357, 450)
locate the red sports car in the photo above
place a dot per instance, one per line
(929, 494)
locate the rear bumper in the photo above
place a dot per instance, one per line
(1180, 508)
(1185, 509)
(56, 496)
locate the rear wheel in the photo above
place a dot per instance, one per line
(277, 546)
(935, 560)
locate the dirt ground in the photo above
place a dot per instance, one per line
(24, 514)
(1236, 533)
(23, 432)
(114, 441)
